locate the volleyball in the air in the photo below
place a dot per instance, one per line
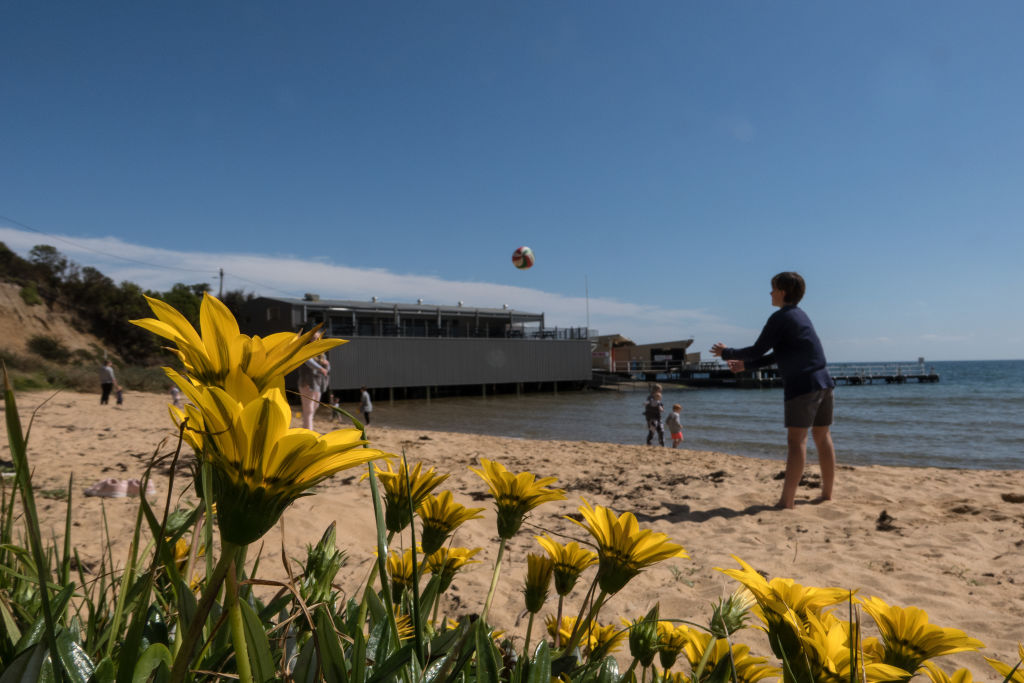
(522, 258)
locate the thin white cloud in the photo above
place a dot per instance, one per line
(159, 269)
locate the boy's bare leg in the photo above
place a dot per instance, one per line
(796, 441)
(826, 458)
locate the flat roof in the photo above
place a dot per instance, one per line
(392, 306)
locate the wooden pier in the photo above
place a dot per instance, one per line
(717, 374)
(887, 374)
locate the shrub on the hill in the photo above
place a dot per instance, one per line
(30, 295)
(49, 348)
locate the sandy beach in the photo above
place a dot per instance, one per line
(954, 545)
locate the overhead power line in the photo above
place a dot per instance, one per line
(128, 259)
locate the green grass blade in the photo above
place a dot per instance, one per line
(259, 646)
(65, 563)
(19, 454)
(332, 658)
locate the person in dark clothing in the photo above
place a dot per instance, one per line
(807, 386)
(653, 408)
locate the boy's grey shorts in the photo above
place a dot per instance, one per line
(813, 409)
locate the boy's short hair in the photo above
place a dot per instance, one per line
(792, 285)
(676, 406)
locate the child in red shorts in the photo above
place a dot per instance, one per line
(674, 425)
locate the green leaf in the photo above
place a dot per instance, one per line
(258, 645)
(27, 666)
(11, 632)
(332, 658)
(73, 659)
(35, 633)
(187, 604)
(151, 659)
(305, 670)
(609, 672)
(104, 672)
(487, 664)
(540, 667)
(722, 671)
(358, 656)
(395, 662)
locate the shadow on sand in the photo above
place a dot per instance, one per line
(683, 513)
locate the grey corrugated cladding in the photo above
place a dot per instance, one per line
(415, 362)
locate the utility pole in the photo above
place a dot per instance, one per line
(220, 293)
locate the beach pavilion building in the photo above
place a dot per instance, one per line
(421, 350)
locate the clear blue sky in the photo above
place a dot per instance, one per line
(663, 159)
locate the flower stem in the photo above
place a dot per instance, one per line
(237, 627)
(582, 627)
(526, 643)
(558, 622)
(494, 580)
(195, 628)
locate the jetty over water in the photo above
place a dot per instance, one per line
(892, 373)
(718, 374)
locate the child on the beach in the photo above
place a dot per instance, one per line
(675, 425)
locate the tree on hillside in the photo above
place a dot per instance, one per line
(185, 298)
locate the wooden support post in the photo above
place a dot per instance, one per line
(391, 396)
(483, 389)
(428, 394)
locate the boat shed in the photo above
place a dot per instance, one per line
(422, 348)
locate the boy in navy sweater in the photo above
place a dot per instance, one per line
(807, 386)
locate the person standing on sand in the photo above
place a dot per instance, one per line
(107, 381)
(807, 386)
(313, 381)
(365, 404)
(674, 425)
(653, 408)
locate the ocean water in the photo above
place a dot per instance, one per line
(972, 418)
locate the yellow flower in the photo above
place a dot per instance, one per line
(827, 647)
(604, 640)
(440, 516)
(672, 638)
(515, 494)
(400, 569)
(401, 498)
(749, 668)
(1005, 669)
(570, 561)
(446, 561)
(259, 464)
(222, 357)
(406, 630)
(623, 549)
(564, 628)
(780, 595)
(937, 675)
(598, 641)
(538, 577)
(909, 639)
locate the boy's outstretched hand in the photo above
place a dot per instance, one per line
(717, 349)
